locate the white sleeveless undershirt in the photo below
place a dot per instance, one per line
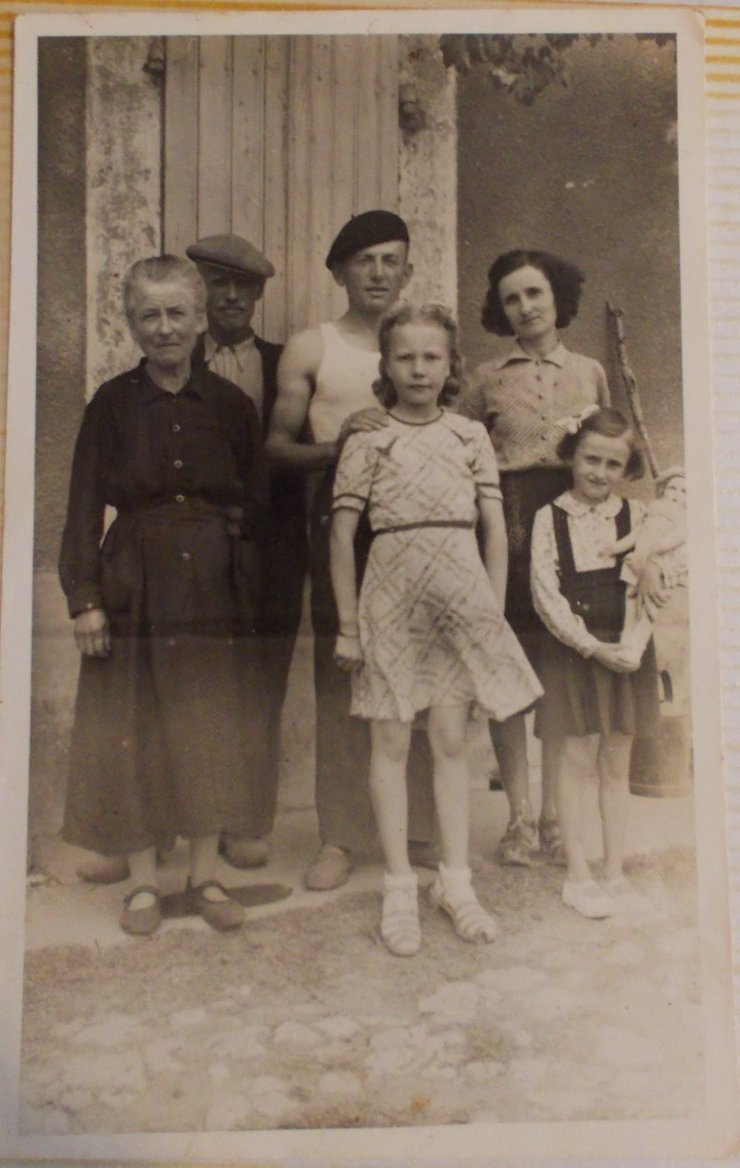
(343, 384)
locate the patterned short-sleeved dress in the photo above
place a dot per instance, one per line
(431, 630)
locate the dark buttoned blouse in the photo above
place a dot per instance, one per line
(141, 448)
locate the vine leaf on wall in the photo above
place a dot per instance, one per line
(522, 64)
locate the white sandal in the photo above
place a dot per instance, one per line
(399, 926)
(453, 893)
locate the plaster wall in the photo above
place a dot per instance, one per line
(124, 190)
(60, 397)
(589, 172)
(428, 171)
(61, 282)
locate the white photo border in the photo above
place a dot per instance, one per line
(716, 1132)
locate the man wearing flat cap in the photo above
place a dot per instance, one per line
(234, 273)
(325, 374)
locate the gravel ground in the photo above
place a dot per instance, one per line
(303, 1019)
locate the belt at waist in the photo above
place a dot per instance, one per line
(424, 523)
(186, 508)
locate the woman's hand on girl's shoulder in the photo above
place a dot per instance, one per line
(362, 422)
(347, 653)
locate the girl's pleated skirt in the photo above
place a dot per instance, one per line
(583, 697)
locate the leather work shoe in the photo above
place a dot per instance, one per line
(219, 914)
(141, 922)
(103, 869)
(330, 869)
(244, 852)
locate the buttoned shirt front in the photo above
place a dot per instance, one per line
(241, 364)
(524, 401)
(141, 447)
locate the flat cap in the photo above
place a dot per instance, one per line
(230, 252)
(366, 230)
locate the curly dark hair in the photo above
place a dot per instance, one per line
(434, 314)
(610, 423)
(566, 281)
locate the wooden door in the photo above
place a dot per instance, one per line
(280, 139)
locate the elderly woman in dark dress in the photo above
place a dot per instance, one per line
(526, 398)
(167, 723)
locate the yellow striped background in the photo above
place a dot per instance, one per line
(722, 57)
(722, 71)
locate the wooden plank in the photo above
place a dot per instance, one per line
(214, 135)
(299, 176)
(344, 144)
(275, 311)
(367, 170)
(388, 129)
(248, 145)
(180, 178)
(321, 181)
(248, 138)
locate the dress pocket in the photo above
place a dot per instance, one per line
(120, 568)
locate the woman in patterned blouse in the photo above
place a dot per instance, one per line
(524, 398)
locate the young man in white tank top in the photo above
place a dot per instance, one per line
(325, 374)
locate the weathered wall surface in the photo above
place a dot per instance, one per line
(428, 170)
(61, 394)
(589, 172)
(124, 215)
(61, 283)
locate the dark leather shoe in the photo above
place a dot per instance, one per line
(104, 869)
(141, 922)
(330, 869)
(244, 851)
(219, 914)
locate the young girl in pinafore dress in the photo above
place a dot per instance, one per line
(429, 631)
(598, 694)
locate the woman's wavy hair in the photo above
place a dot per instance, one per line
(610, 424)
(433, 314)
(566, 281)
(159, 270)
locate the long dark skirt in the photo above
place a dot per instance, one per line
(169, 728)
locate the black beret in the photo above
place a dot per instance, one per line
(232, 253)
(366, 230)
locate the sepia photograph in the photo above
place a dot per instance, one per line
(361, 692)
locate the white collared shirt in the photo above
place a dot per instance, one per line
(241, 364)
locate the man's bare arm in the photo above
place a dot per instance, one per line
(299, 364)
